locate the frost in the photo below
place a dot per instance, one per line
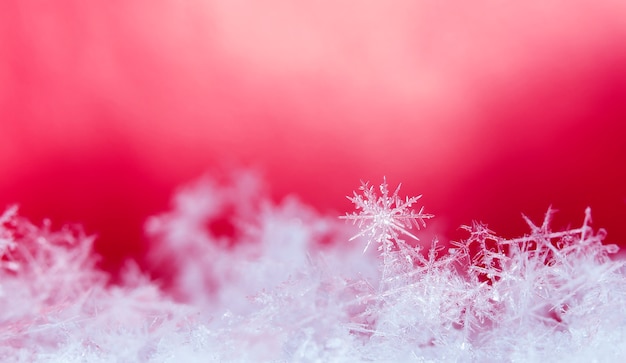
(243, 278)
(488, 295)
(55, 305)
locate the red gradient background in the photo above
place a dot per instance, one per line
(489, 109)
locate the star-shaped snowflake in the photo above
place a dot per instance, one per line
(384, 218)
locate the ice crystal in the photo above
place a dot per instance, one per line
(384, 218)
(487, 289)
(280, 286)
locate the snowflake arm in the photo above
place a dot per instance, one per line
(384, 218)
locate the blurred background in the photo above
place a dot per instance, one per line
(490, 109)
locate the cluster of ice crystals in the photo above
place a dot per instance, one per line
(55, 305)
(494, 299)
(245, 279)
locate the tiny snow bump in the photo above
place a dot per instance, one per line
(11, 266)
(335, 343)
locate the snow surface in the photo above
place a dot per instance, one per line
(242, 279)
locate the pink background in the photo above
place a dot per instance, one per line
(489, 109)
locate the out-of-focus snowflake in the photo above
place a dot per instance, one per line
(384, 218)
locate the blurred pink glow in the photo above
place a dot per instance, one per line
(488, 109)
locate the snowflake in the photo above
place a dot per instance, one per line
(384, 218)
